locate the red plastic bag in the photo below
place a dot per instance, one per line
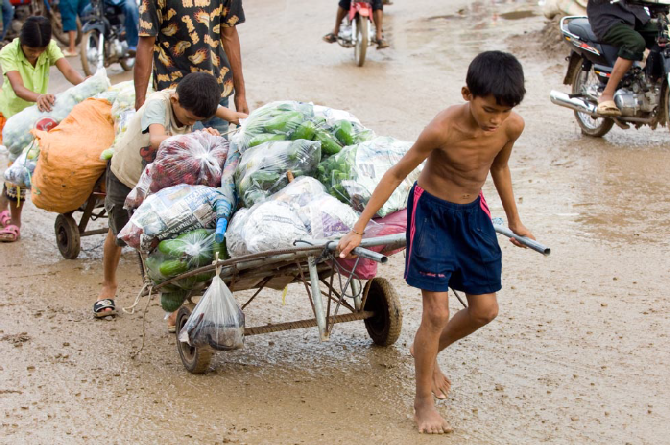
(391, 224)
(192, 159)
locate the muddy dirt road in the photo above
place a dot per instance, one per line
(578, 355)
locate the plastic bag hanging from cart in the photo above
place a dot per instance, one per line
(216, 321)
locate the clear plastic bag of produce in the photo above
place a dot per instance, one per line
(193, 159)
(354, 173)
(21, 171)
(174, 257)
(170, 212)
(302, 210)
(263, 169)
(289, 120)
(216, 321)
(16, 133)
(272, 122)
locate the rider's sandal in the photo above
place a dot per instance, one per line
(330, 38)
(608, 109)
(100, 306)
(381, 44)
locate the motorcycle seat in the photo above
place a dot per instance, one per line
(582, 29)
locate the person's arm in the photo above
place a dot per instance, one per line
(142, 70)
(502, 179)
(44, 101)
(231, 45)
(428, 140)
(229, 115)
(70, 73)
(157, 134)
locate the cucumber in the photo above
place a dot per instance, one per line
(171, 301)
(205, 276)
(284, 123)
(329, 145)
(305, 131)
(171, 268)
(171, 247)
(344, 132)
(266, 137)
(222, 249)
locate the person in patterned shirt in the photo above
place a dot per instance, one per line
(186, 36)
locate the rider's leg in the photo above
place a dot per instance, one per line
(631, 46)
(379, 23)
(132, 14)
(342, 9)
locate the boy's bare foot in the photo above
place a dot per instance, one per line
(428, 420)
(441, 383)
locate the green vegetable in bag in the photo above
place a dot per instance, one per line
(266, 137)
(329, 145)
(171, 301)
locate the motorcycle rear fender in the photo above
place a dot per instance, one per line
(98, 26)
(574, 63)
(360, 8)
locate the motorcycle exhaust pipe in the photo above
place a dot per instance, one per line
(574, 103)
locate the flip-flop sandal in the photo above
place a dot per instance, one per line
(172, 329)
(330, 38)
(5, 218)
(381, 44)
(10, 234)
(100, 306)
(608, 109)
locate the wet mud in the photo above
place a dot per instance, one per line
(579, 353)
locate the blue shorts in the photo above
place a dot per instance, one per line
(451, 245)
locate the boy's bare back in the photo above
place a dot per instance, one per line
(464, 153)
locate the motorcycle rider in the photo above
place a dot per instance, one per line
(7, 17)
(70, 9)
(627, 27)
(378, 14)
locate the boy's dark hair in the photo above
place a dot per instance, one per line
(35, 32)
(499, 74)
(200, 94)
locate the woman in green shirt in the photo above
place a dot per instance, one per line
(25, 65)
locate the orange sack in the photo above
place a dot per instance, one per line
(69, 164)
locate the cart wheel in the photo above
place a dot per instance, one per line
(195, 360)
(384, 327)
(67, 236)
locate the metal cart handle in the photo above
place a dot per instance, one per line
(538, 247)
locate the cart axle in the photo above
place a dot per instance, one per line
(344, 318)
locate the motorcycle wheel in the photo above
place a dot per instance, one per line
(586, 82)
(127, 63)
(362, 24)
(89, 51)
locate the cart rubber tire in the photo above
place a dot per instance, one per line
(382, 299)
(67, 236)
(195, 360)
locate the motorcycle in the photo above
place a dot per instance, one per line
(47, 8)
(643, 95)
(103, 41)
(356, 31)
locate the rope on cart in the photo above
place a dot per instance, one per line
(144, 322)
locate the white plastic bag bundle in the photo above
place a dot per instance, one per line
(216, 321)
(21, 171)
(302, 210)
(169, 212)
(16, 133)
